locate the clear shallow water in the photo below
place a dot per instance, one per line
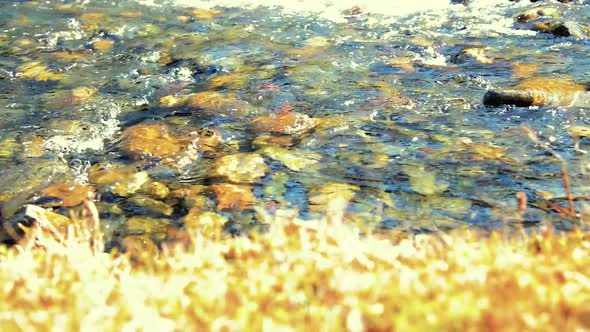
(400, 132)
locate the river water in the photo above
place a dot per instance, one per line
(168, 111)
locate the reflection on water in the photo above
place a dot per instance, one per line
(170, 112)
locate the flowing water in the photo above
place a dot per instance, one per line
(140, 103)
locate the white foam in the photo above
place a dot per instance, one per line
(329, 9)
(333, 9)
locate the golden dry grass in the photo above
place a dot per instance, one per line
(305, 276)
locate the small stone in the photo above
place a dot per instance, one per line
(208, 100)
(230, 81)
(173, 101)
(34, 148)
(208, 223)
(38, 72)
(103, 45)
(240, 167)
(189, 198)
(149, 206)
(153, 141)
(131, 14)
(231, 196)
(70, 193)
(143, 225)
(267, 140)
(540, 91)
(93, 18)
(320, 197)
(8, 148)
(205, 14)
(424, 182)
(535, 13)
(295, 160)
(317, 41)
(156, 190)
(580, 131)
(563, 29)
(139, 247)
(120, 180)
(477, 54)
(284, 123)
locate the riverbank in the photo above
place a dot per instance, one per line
(297, 276)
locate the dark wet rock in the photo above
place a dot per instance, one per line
(535, 13)
(563, 29)
(146, 225)
(146, 205)
(538, 91)
(471, 54)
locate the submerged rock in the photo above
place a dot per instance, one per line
(147, 205)
(143, 225)
(120, 180)
(539, 91)
(535, 13)
(284, 123)
(70, 193)
(38, 72)
(294, 159)
(563, 29)
(153, 141)
(232, 196)
(240, 167)
(472, 54)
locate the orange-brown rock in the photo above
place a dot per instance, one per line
(152, 140)
(70, 193)
(284, 123)
(232, 196)
(208, 100)
(540, 91)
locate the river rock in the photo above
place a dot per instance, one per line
(146, 205)
(147, 225)
(286, 122)
(535, 13)
(232, 196)
(240, 167)
(70, 193)
(472, 54)
(539, 91)
(103, 45)
(294, 159)
(563, 29)
(153, 140)
(118, 179)
(208, 223)
(38, 72)
(155, 189)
